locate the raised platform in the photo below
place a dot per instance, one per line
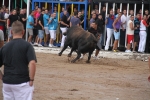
(102, 54)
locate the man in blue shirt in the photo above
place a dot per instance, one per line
(62, 13)
(136, 31)
(30, 24)
(46, 19)
(52, 26)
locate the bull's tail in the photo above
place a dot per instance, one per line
(65, 33)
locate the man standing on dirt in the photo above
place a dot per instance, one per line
(16, 56)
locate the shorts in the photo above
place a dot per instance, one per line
(46, 30)
(117, 35)
(136, 38)
(130, 38)
(1, 35)
(2, 28)
(41, 34)
(9, 32)
(63, 29)
(52, 34)
(35, 32)
(30, 31)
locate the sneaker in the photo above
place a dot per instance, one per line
(39, 45)
(96, 58)
(50, 45)
(35, 44)
(128, 51)
(53, 46)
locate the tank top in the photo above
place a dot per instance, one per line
(129, 31)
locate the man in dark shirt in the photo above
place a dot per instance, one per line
(40, 27)
(63, 26)
(18, 58)
(12, 18)
(95, 30)
(23, 18)
(136, 31)
(2, 19)
(100, 23)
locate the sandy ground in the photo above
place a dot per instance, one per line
(104, 79)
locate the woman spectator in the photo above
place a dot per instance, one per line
(116, 26)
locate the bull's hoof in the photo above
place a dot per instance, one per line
(59, 54)
(69, 55)
(72, 61)
(88, 61)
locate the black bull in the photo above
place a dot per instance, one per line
(81, 41)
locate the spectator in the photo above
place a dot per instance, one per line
(16, 56)
(46, 19)
(103, 12)
(63, 26)
(93, 19)
(116, 26)
(118, 11)
(143, 34)
(12, 18)
(35, 33)
(123, 28)
(100, 24)
(136, 31)
(61, 14)
(40, 27)
(53, 23)
(1, 38)
(2, 19)
(130, 14)
(23, 18)
(109, 21)
(6, 13)
(30, 24)
(130, 33)
(95, 30)
(75, 20)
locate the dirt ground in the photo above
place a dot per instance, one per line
(104, 79)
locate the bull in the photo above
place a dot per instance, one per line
(80, 41)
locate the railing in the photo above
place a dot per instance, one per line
(125, 1)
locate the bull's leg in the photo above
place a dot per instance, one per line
(72, 49)
(89, 57)
(64, 48)
(78, 56)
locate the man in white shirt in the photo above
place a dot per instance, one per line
(6, 14)
(130, 13)
(123, 28)
(130, 33)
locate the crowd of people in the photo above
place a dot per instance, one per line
(42, 22)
